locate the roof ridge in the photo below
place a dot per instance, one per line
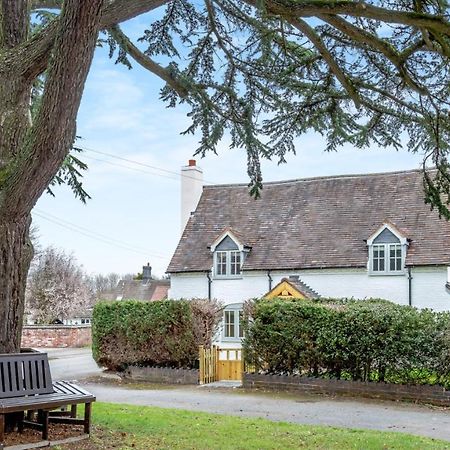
(323, 177)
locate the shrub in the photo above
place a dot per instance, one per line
(163, 333)
(349, 339)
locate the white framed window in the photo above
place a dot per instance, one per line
(221, 263)
(228, 263)
(232, 323)
(387, 251)
(387, 259)
(378, 258)
(235, 263)
(395, 258)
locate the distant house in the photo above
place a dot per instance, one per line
(82, 317)
(147, 289)
(339, 236)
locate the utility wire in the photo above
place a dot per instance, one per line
(136, 169)
(94, 235)
(149, 166)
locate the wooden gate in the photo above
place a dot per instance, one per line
(218, 364)
(229, 364)
(208, 364)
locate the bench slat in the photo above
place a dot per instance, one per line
(66, 387)
(42, 402)
(24, 374)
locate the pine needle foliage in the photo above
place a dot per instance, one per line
(266, 72)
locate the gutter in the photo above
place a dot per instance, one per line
(208, 276)
(409, 287)
(270, 280)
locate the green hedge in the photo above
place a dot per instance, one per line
(371, 340)
(162, 333)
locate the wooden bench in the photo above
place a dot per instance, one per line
(26, 386)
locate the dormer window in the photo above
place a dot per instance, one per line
(228, 255)
(387, 251)
(228, 263)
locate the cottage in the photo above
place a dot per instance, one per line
(146, 289)
(356, 236)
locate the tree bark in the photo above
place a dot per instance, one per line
(16, 253)
(31, 154)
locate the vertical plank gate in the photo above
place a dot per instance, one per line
(217, 364)
(208, 364)
(230, 364)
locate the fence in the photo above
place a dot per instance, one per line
(208, 364)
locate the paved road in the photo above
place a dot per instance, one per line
(71, 363)
(387, 416)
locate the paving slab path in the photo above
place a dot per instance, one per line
(315, 410)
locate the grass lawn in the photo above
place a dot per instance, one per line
(134, 427)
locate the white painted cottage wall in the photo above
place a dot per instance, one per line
(428, 286)
(188, 285)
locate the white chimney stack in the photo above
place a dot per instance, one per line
(191, 190)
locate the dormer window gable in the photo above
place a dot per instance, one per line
(387, 251)
(228, 255)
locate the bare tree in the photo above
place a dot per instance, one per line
(57, 288)
(359, 72)
(104, 283)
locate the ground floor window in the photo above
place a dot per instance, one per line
(232, 322)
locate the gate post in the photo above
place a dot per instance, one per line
(201, 357)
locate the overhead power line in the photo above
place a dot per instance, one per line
(149, 166)
(94, 235)
(136, 169)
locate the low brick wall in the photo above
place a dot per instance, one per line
(434, 395)
(54, 336)
(163, 375)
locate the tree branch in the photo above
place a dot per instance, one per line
(310, 33)
(364, 37)
(146, 62)
(31, 59)
(297, 8)
(46, 4)
(52, 135)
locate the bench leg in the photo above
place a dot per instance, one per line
(87, 418)
(73, 411)
(2, 431)
(20, 425)
(44, 425)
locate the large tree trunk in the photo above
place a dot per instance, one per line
(15, 248)
(31, 154)
(15, 257)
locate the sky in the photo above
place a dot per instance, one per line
(134, 214)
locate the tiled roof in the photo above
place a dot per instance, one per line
(315, 223)
(144, 290)
(302, 287)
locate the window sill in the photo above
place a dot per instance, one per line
(387, 274)
(227, 277)
(230, 339)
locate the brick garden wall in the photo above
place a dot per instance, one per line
(54, 336)
(425, 394)
(164, 375)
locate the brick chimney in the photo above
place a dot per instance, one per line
(191, 190)
(147, 272)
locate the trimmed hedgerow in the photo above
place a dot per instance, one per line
(372, 340)
(162, 333)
